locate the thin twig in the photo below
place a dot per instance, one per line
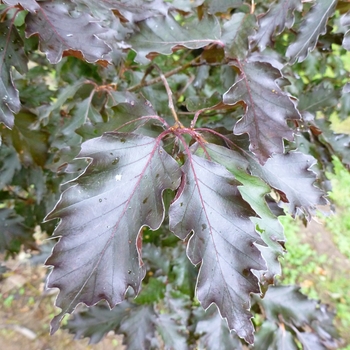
(170, 96)
(168, 74)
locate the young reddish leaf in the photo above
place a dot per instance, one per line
(279, 16)
(101, 217)
(223, 241)
(313, 26)
(61, 33)
(267, 108)
(161, 34)
(11, 55)
(291, 174)
(235, 35)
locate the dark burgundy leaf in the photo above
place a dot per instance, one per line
(267, 108)
(223, 240)
(61, 32)
(313, 26)
(11, 55)
(279, 16)
(101, 217)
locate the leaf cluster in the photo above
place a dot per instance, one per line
(173, 129)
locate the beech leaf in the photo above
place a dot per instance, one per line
(62, 33)
(223, 240)
(162, 33)
(267, 108)
(101, 217)
(313, 26)
(279, 16)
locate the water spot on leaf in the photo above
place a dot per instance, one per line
(115, 161)
(157, 176)
(69, 35)
(181, 204)
(204, 226)
(100, 200)
(129, 272)
(123, 140)
(145, 200)
(118, 177)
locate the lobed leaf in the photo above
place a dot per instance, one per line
(312, 27)
(223, 240)
(163, 33)
(279, 16)
(101, 217)
(267, 108)
(63, 32)
(11, 55)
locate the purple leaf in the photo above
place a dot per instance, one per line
(223, 240)
(313, 26)
(62, 33)
(279, 16)
(267, 108)
(101, 217)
